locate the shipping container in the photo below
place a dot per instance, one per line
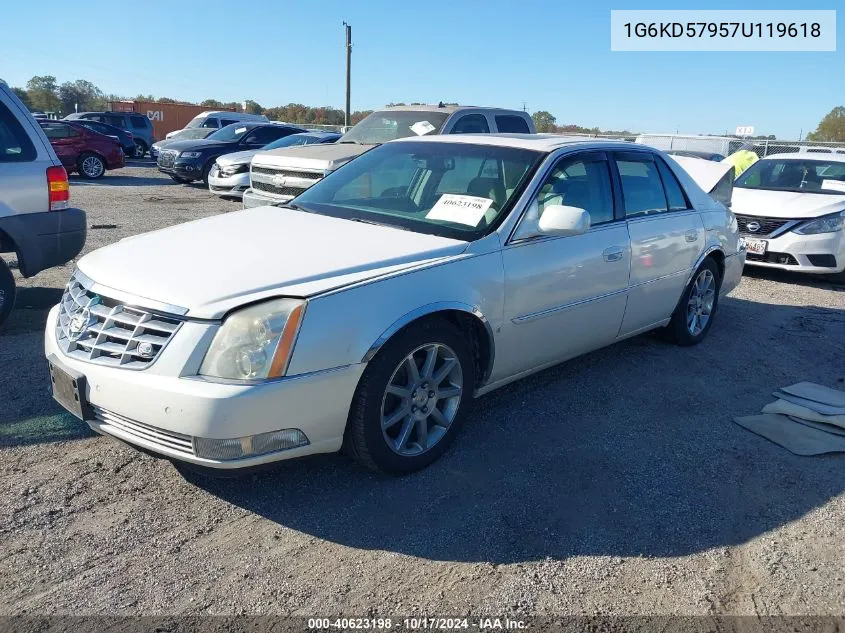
(166, 117)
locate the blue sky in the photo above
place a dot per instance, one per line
(552, 55)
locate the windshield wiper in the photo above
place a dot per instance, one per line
(373, 222)
(292, 205)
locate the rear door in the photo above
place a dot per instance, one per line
(667, 235)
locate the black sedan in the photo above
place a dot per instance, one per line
(186, 161)
(126, 140)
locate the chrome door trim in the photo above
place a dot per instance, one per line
(526, 318)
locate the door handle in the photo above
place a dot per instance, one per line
(613, 253)
(691, 236)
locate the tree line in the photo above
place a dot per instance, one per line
(43, 93)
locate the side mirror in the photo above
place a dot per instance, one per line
(558, 219)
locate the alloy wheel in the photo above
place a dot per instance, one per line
(92, 167)
(702, 298)
(421, 399)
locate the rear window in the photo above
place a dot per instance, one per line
(511, 124)
(57, 130)
(15, 145)
(140, 122)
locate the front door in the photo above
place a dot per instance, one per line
(565, 295)
(667, 235)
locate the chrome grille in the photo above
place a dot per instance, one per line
(99, 330)
(309, 175)
(165, 439)
(166, 158)
(279, 191)
(767, 225)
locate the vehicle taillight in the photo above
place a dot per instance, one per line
(58, 188)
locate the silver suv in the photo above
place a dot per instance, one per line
(36, 221)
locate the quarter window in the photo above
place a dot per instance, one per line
(15, 146)
(471, 124)
(579, 182)
(641, 187)
(511, 124)
(139, 122)
(674, 194)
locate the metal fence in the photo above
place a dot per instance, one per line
(727, 145)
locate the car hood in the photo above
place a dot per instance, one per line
(237, 158)
(785, 204)
(200, 145)
(212, 265)
(323, 157)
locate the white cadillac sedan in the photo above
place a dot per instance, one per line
(791, 212)
(370, 311)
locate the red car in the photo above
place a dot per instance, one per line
(83, 150)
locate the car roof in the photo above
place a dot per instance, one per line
(828, 157)
(537, 142)
(449, 109)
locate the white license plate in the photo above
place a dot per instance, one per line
(756, 247)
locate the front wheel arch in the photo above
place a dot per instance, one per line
(469, 319)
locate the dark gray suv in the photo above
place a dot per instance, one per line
(135, 122)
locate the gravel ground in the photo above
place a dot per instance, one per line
(613, 484)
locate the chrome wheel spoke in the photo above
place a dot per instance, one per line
(430, 360)
(439, 419)
(407, 427)
(399, 391)
(396, 416)
(445, 368)
(449, 392)
(413, 370)
(422, 433)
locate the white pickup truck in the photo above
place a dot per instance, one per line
(280, 175)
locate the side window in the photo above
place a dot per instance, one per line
(511, 124)
(210, 122)
(471, 124)
(140, 122)
(117, 121)
(674, 194)
(641, 186)
(225, 122)
(55, 131)
(265, 135)
(582, 182)
(15, 145)
(73, 132)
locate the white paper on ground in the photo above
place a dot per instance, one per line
(421, 128)
(833, 185)
(453, 207)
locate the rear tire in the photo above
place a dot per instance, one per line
(694, 314)
(7, 291)
(140, 149)
(401, 419)
(90, 166)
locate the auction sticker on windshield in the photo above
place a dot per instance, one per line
(452, 207)
(833, 185)
(421, 128)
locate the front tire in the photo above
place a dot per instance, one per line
(7, 291)
(693, 317)
(91, 166)
(412, 398)
(140, 149)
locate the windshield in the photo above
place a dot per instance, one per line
(193, 133)
(455, 190)
(196, 121)
(380, 127)
(290, 141)
(232, 132)
(803, 176)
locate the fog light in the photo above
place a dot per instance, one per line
(249, 446)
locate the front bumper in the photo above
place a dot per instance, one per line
(47, 239)
(162, 408)
(222, 185)
(187, 169)
(803, 253)
(253, 198)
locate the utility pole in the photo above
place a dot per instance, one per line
(347, 116)
(524, 107)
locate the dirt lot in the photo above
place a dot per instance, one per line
(614, 484)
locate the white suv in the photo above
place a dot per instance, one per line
(36, 222)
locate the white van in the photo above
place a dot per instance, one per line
(219, 118)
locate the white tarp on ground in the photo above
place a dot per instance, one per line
(807, 419)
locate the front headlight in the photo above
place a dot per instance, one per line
(827, 224)
(255, 343)
(231, 170)
(189, 155)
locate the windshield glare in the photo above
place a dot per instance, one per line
(380, 127)
(804, 176)
(229, 133)
(454, 190)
